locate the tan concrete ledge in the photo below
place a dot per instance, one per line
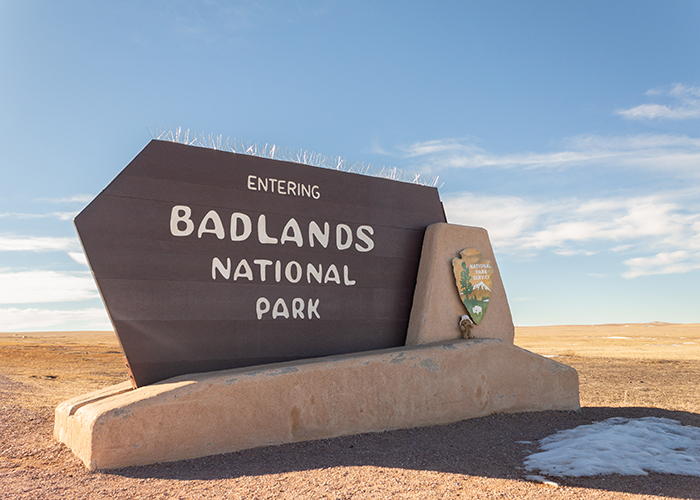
(210, 413)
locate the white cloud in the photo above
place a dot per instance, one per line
(679, 261)
(58, 215)
(571, 226)
(685, 105)
(508, 218)
(79, 257)
(28, 287)
(17, 320)
(651, 111)
(12, 243)
(647, 151)
(79, 198)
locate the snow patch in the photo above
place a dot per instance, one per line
(619, 445)
(541, 479)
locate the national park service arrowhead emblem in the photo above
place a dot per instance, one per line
(474, 278)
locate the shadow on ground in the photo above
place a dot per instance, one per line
(492, 447)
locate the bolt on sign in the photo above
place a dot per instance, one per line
(208, 260)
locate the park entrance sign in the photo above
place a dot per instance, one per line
(208, 260)
(229, 272)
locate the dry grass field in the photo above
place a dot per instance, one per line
(625, 370)
(631, 341)
(654, 365)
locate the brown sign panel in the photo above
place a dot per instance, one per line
(208, 260)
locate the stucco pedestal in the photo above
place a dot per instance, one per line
(210, 413)
(436, 305)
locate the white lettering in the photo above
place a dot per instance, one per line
(298, 308)
(247, 226)
(288, 272)
(217, 265)
(218, 228)
(363, 236)
(283, 187)
(339, 230)
(312, 271)
(332, 274)
(262, 232)
(313, 308)
(321, 237)
(292, 232)
(181, 213)
(263, 263)
(243, 270)
(346, 278)
(292, 271)
(280, 309)
(262, 306)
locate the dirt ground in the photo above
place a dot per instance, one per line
(624, 370)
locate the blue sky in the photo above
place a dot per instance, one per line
(570, 130)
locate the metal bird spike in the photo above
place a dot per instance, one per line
(303, 156)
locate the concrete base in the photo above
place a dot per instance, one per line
(436, 379)
(210, 413)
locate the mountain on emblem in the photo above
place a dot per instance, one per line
(474, 279)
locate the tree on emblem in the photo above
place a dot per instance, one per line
(466, 287)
